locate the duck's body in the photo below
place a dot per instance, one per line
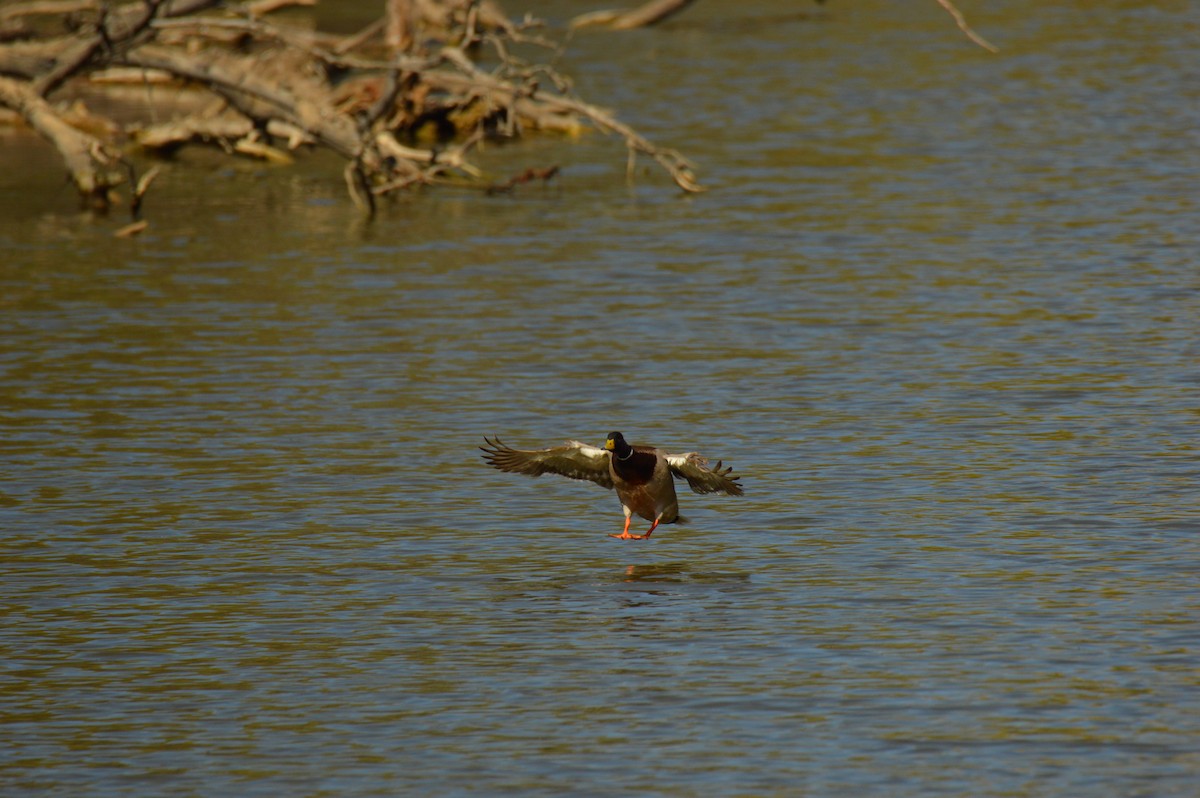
(644, 484)
(643, 476)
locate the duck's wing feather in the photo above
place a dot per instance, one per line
(573, 459)
(703, 479)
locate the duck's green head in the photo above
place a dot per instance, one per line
(615, 441)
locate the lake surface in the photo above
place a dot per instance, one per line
(940, 309)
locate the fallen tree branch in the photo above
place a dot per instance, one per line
(91, 164)
(545, 174)
(655, 11)
(961, 21)
(397, 106)
(680, 169)
(113, 30)
(46, 8)
(236, 79)
(219, 124)
(261, 8)
(650, 13)
(132, 229)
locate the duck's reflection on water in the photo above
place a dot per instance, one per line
(678, 572)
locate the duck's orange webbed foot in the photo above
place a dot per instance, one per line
(626, 536)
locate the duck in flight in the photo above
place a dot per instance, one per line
(643, 476)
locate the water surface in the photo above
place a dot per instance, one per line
(939, 310)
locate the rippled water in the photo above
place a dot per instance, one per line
(940, 310)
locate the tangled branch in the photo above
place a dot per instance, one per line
(404, 102)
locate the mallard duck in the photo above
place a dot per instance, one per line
(642, 475)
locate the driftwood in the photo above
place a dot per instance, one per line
(655, 11)
(649, 13)
(961, 21)
(91, 163)
(404, 102)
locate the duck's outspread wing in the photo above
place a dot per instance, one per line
(573, 459)
(702, 479)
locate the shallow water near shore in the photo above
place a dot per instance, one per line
(939, 310)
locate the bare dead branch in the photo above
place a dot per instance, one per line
(272, 82)
(47, 8)
(650, 13)
(961, 21)
(261, 8)
(655, 11)
(351, 43)
(132, 229)
(676, 165)
(235, 79)
(359, 188)
(29, 59)
(545, 174)
(91, 164)
(140, 189)
(400, 25)
(114, 29)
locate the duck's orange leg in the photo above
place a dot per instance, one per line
(625, 533)
(653, 527)
(626, 536)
